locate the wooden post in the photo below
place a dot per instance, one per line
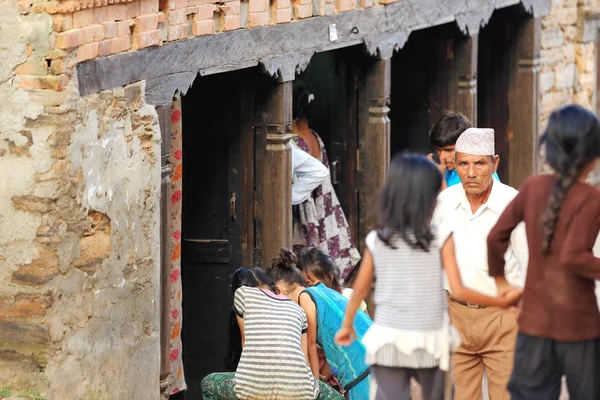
(463, 96)
(274, 206)
(524, 103)
(373, 138)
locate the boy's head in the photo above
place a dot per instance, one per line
(444, 135)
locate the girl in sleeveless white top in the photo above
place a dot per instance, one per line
(411, 335)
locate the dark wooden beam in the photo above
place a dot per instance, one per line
(283, 49)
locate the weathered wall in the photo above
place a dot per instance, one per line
(568, 57)
(79, 194)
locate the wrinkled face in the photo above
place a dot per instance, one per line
(476, 172)
(446, 156)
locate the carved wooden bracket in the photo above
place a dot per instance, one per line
(470, 22)
(384, 45)
(285, 67)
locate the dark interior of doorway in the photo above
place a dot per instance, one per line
(420, 86)
(333, 77)
(497, 42)
(214, 166)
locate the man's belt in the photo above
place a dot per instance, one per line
(462, 303)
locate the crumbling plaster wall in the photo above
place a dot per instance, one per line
(79, 233)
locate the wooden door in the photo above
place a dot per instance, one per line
(421, 86)
(217, 216)
(496, 56)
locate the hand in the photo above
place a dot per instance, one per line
(441, 165)
(345, 336)
(510, 296)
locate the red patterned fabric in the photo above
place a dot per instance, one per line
(320, 221)
(176, 379)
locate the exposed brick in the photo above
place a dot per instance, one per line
(100, 15)
(117, 12)
(176, 17)
(257, 19)
(32, 68)
(29, 340)
(94, 33)
(162, 17)
(192, 10)
(232, 22)
(279, 4)
(282, 15)
(110, 29)
(206, 27)
(180, 4)
(83, 18)
(205, 11)
(61, 23)
(124, 27)
(39, 271)
(87, 52)
(344, 5)
(70, 39)
(94, 250)
(125, 43)
(30, 82)
(146, 23)
(232, 7)
(145, 39)
(303, 10)
(148, 6)
(177, 32)
(133, 10)
(198, 2)
(258, 6)
(54, 7)
(25, 305)
(105, 47)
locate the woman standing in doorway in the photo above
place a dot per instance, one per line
(319, 221)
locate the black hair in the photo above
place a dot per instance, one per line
(315, 262)
(572, 140)
(285, 268)
(245, 276)
(407, 201)
(303, 97)
(447, 129)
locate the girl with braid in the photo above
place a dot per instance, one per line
(559, 321)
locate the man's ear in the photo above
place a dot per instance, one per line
(496, 162)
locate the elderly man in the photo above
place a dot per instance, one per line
(488, 334)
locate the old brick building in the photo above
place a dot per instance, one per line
(115, 113)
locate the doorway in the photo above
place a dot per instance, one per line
(421, 86)
(497, 55)
(217, 216)
(333, 77)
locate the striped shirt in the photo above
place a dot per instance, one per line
(272, 364)
(409, 300)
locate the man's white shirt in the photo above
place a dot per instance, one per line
(470, 232)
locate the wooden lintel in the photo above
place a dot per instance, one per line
(283, 49)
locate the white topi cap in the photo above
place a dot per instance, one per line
(476, 142)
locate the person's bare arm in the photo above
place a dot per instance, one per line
(462, 293)
(310, 309)
(361, 289)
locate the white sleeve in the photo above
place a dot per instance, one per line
(370, 241)
(517, 257)
(309, 173)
